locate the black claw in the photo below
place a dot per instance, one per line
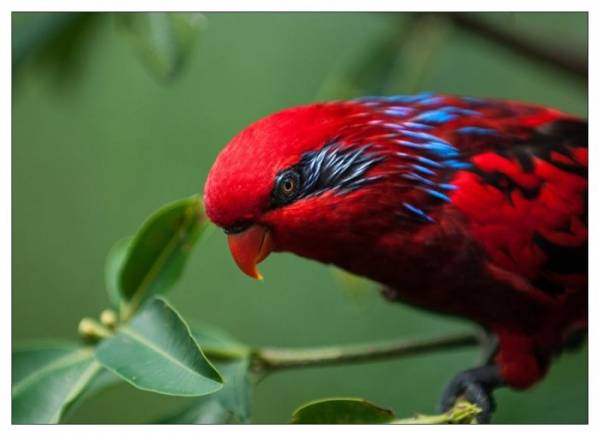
(476, 394)
(476, 386)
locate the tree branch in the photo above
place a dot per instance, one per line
(271, 359)
(555, 53)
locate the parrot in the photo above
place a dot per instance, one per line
(474, 208)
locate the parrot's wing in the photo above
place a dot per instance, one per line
(517, 172)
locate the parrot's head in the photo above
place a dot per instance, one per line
(300, 180)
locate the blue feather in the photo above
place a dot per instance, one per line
(436, 117)
(417, 126)
(431, 101)
(447, 186)
(441, 149)
(401, 99)
(476, 131)
(424, 136)
(456, 164)
(416, 177)
(424, 170)
(444, 114)
(418, 212)
(427, 161)
(398, 111)
(437, 194)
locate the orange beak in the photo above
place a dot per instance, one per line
(250, 247)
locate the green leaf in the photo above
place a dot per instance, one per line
(236, 398)
(156, 352)
(218, 343)
(112, 271)
(342, 411)
(47, 379)
(162, 40)
(231, 405)
(159, 251)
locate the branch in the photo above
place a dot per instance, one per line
(271, 359)
(556, 53)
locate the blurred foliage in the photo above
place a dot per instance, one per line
(92, 155)
(403, 57)
(60, 41)
(55, 42)
(162, 40)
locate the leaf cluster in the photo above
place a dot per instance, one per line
(142, 340)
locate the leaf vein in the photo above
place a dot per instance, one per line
(84, 378)
(144, 341)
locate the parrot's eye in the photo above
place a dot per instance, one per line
(287, 185)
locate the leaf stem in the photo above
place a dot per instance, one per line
(271, 359)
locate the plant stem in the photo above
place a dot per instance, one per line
(271, 359)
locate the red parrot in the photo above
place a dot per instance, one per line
(470, 207)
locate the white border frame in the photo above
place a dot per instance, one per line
(288, 5)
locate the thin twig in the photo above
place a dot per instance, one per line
(270, 359)
(555, 52)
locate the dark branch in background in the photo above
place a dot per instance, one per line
(555, 53)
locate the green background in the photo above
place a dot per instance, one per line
(96, 148)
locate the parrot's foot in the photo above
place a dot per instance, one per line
(476, 386)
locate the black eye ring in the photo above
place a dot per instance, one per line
(287, 187)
